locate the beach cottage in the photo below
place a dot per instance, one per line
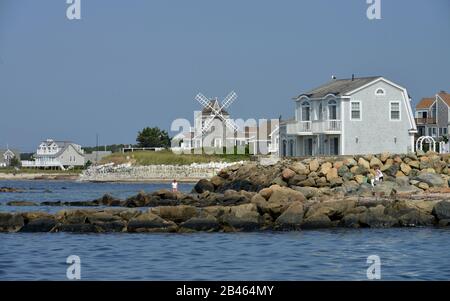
(58, 154)
(433, 115)
(365, 115)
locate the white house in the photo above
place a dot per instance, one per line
(366, 115)
(60, 154)
(6, 155)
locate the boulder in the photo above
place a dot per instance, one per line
(203, 185)
(291, 218)
(375, 162)
(266, 192)
(177, 214)
(317, 221)
(281, 198)
(442, 210)
(325, 168)
(406, 190)
(416, 218)
(405, 168)
(242, 218)
(376, 218)
(332, 174)
(287, 173)
(42, 224)
(149, 222)
(432, 179)
(260, 202)
(217, 181)
(414, 164)
(308, 192)
(360, 179)
(384, 156)
(299, 168)
(204, 222)
(314, 165)
(363, 163)
(10, 222)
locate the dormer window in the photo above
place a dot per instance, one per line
(306, 116)
(380, 92)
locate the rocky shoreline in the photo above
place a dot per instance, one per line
(290, 195)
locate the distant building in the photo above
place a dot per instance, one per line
(433, 115)
(96, 156)
(367, 115)
(219, 133)
(6, 155)
(61, 154)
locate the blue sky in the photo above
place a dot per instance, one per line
(133, 63)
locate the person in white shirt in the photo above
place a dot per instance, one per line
(174, 186)
(378, 175)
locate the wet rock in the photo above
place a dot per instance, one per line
(203, 185)
(139, 200)
(376, 218)
(43, 224)
(291, 218)
(177, 214)
(149, 222)
(205, 222)
(21, 203)
(10, 222)
(108, 200)
(317, 221)
(442, 210)
(217, 181)
(242, 218)
(10, 189)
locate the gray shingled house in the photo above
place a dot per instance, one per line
(366, 115)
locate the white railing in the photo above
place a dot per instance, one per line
(298, 127)
(317, 126)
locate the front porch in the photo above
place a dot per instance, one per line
(311, 145)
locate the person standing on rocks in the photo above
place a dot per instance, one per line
(378, 175)
(174, 186)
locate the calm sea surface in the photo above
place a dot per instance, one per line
(406, 254)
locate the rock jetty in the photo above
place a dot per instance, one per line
(289, 195)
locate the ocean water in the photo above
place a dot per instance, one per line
(334, 254)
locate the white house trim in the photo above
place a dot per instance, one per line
(382, 94)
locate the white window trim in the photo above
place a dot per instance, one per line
(360, 110)
(382, 94)
(399, 110)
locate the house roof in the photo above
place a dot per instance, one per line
(445, 97)
(425, 103)
(63, 145)
(338, 87)
(215, 104)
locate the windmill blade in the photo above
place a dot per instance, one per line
(228, 100)
(203, 100)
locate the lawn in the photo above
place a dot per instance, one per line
(169, 158)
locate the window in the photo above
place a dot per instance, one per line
(433, 132)
(444, 131)
(306, 116)
(395, 110)
(380, 92)
(332, 110)
(355, 110)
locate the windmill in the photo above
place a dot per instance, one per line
(217, 112)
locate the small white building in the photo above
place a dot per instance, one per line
(6, 155)
(60, 154)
